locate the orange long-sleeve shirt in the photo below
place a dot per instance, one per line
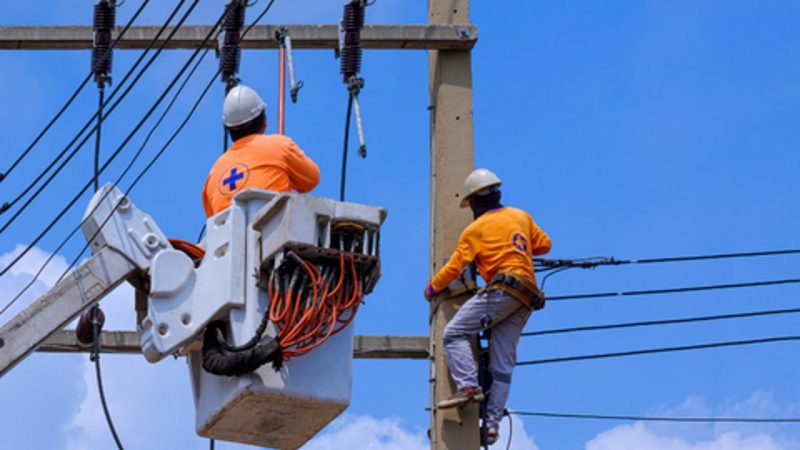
(271, 162)
(503, 240)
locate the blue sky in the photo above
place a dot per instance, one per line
(627, 128)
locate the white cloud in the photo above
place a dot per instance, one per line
(520, 440)
(365, 432)
(720, 436)
(30, 264)
(639, 437)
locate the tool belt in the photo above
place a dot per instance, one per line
(520, 288)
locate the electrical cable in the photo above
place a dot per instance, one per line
(71, 98)
(101, 96)
(95, 356)
(158, 155)
(658, 419)
(136, 180)
(58, 157)
(258, 19)
(675, 290)
(76, 229)
(589, 263)
(346, 143)
(118, 150)
(550, 274)
(658, 350)
(510, 428)
(662, 322)
(118, 180)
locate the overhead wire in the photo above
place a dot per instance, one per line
(555, 266)
(659, 418)
(588, 263)
(113, 156)
(101, 96)
(510, 428)
(649, 323)
(710, 287)
(131, 163)
(133, 184)
(95, 356)
(658, 350)
(72, 97)
(88, 135)
(343, 180)
(118, 180)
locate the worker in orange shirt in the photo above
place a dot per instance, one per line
(502, 242)
(255, 160)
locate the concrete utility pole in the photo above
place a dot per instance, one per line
(452, 159)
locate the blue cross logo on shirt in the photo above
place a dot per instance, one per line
(231, 180)
(520, 242)
(235, 179)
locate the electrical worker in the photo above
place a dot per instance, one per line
(255, 160)
(502, 242)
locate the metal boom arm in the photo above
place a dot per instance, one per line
(88, 284)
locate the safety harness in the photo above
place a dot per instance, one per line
(518, 287)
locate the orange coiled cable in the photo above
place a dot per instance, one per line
(307, 317)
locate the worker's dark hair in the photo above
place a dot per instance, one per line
(482, 202)
(252, 127)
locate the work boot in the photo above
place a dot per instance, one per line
(491, 435)
(462, 397)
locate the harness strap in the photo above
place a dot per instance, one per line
(520, 288)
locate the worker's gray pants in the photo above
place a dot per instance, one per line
(507, 317)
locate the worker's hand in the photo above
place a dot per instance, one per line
(430, 292)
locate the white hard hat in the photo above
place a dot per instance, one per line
(477, 181)
(242, 104)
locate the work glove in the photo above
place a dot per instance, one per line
(430, 292)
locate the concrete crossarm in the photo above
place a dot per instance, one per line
(420, 37)
(89, 283)
(366, 347)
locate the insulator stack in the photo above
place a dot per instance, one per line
(105, 18)
(352, 24)
(230, 52)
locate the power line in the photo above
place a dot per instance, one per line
(346, 143)
(72, 97)
(589, 263)
(658, 350)
(118, 180)
(675, 290)
(120, 148)
(132, 162)
(658, 419)
(133, 184)
(95, 356)
(257, 19)
(130, 165)
(101, 96)
(89, 122)
(662, 322)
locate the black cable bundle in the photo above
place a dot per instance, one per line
(352, 24)
(235, 364)
(105, 18)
